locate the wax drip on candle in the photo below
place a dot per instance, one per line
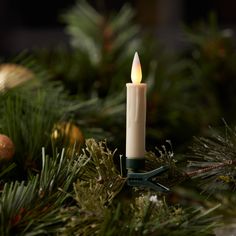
(129, 108)
(136, 71)
(137, 109)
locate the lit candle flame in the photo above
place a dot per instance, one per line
(136, 71)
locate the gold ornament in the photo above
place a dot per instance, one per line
(13, 75)
(7, 148)
(68, 135)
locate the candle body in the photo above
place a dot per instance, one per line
(135, 120)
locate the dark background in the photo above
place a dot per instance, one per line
(29, 24)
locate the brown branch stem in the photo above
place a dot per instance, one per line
(209, 168)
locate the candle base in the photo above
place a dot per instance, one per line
(137, 178)
(135, 164)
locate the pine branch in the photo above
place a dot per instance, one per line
(100, 171)
(197, 173)
(103, 44)
(29, 113)
(6, 169)
(94, 34)
(140, 216)
(43, 204)
(165, 157)
(33, 207)
(103, 209)
(15, 199)
(214, 160)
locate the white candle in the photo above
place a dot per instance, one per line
(136, 113)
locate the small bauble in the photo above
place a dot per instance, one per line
(7, 148)
(68, 134)
(13, 75)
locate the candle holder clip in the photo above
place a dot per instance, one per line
(136, 178)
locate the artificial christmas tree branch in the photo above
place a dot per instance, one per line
(213, 160)
(33, 207)
(30, 113)
(197, 173)
(48, 204)
(105, 206)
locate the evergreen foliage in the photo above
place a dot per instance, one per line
(32, 207)
(212, 59)
(105, 209)
(213, 161)
(46, 204)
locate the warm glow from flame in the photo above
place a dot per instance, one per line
(136, 71)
